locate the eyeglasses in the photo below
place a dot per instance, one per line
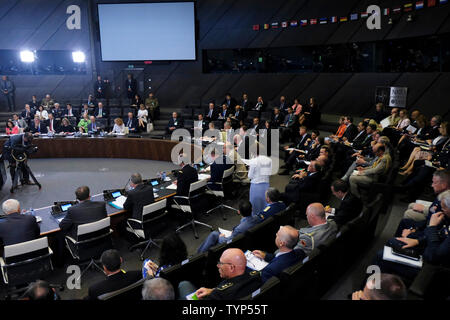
(219, 263)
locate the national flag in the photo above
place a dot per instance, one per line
(443, 1)
(397, 10)
(419, 5)
(431, 3)
(256, 27)
(323, 20)
(386, 11)
(266, 26)
(333, 19)
(294, 23)
(354, 16)
(313, 21)
(407, 7)
(303, 22)
(284, 24)
(343, 19)
(364, 14)
(274, 25)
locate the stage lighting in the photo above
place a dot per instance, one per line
(26, 56)
(78, 57)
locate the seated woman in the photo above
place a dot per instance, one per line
(42, 113)
(119, 126)
(11, 128)
(83, 124)
(142, 118)
(436, 146)
(297, 107)
(173, 251)
(66, 127)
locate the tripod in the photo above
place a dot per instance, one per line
(22, 165)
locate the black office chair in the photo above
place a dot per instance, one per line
(140, 228)
(25, 262)
(129, 293)
(270, 290)
(262, 236)
(225, 189)
(185, 204)
(92, 240)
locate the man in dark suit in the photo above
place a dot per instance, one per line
(254, 129)
(57, 111)
(260, 105)
(211, 113)
(224, 113)
(174, 123)
(350, 206)
(52, 124)
(217, 169)
(370, 130)
(70, 112)
(27, 114)
(34, 103)
(277, 118)
(140, 196)
(186, 176)
(19, 140)
(274, 205)
(288, 126)
(38, 127)
(85, 211)
(131, 122)
(99, 88)
(200, 124)
(284, 105)
(94, 127)
(131, 86)
(100, 111)
(116, 277)
(305, 181)
(246, 104)
(351, 131)
(85, 110)
(15, 227)
(238, 115)
(230, 102)
(292, 155)
(285, 256)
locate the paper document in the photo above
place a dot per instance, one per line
(192, 296)
(389, 256)
(59, 219)
(118, 203)
(429, 164)
(227, 233)
(167, 179)
(425, 203)
(38, 219)
(203, 176)
(385, 122)
(155, 195)
(254, 262)
(173, 186)
(411, 129)
(307, 162)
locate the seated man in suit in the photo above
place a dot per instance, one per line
(16, 227)
(100, 111)
(230, 102)
(224, 113)
(217, 169)
(291, 155)
(140, 196)
(350, 206)
(27, 114)
(285, 256)
(254, 129)
(237, 116)
(85, 211)
(186, 176)
(277, 118)
(70, 112)
(237, 282)
(320, 229)
(57, 111)
(247, 221)
(21, 123)
(131, 122)
(158, 289)
(200, 124)
(174, 123)
(116, 277)
(94, 127)
(52, 124)
(305, 181)
(391, 288)
(260, 106)
(274, 205)
(38, 127)
(211, 113)
(85, 110)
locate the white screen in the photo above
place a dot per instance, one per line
(147, 31)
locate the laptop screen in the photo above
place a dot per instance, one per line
(154, 183)
(116, 194)
(64, 207)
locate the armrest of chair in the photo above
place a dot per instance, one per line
(70, 239)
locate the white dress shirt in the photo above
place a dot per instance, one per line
(260, 169)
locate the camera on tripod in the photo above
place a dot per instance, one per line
(21, 152)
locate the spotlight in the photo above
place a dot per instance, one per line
(78, 57)
(26, 56)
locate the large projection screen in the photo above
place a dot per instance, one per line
(147, 31)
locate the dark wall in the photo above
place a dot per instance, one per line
(41, 25)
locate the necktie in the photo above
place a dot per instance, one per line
(51, 125)
(129, 123)
(94, 127)
(210, 113)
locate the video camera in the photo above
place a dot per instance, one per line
(21, 152)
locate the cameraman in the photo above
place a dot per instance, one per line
(21, 142)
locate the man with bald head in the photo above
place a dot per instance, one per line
(320, 229)
(236, 284)
(284, 257)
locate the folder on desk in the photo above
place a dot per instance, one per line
(385, 122)
(389, 256)
(254, 262)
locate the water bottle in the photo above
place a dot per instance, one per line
(164, 176)
(31, 212)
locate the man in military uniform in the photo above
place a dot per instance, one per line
(319, 231)
(237, 283)
(273, 204)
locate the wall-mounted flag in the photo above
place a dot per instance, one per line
(397, 10)
(354, 16)
(294, 23)
(419, 5)
(343, 19)
(256, 27)
(431, 3)
(386, 11)
(407, 7)
(274, 25)
(313, 21)
(284, 24)
(266, 26)
(333, 19)
(303, 22)
(364, 14)
(323, 20)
